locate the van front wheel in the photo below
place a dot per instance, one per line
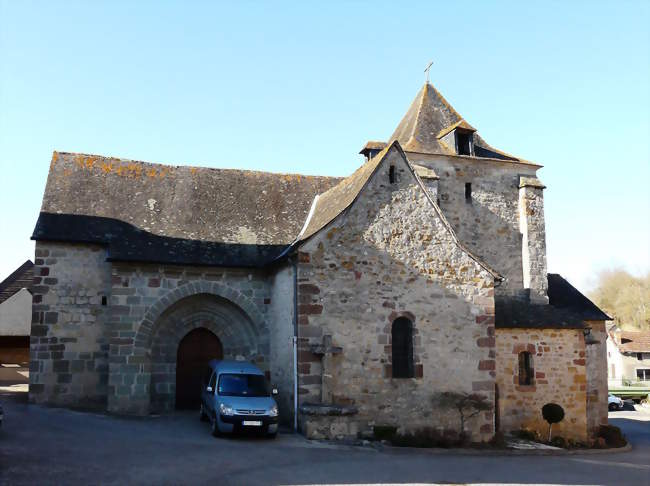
(214, 427)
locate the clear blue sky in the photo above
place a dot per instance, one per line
(299, 87)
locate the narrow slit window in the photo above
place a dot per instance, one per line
(391, 174)
(402, 348)
(526, 372)
(468, 191)
(104, 300)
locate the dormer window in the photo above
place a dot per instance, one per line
(464, 142)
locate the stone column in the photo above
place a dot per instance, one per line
(326, 350)
(533, 244)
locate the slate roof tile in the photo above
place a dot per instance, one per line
(21, 278)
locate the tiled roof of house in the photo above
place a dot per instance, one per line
(21, 278)
(429, 118)
(634, 342)
(174, 214)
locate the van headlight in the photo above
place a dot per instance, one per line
(274, 411)
(226, 410)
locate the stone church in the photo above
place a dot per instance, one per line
(362, 298)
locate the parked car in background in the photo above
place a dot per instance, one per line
(235, 397)
(614, 403)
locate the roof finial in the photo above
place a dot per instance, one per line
(426, 71)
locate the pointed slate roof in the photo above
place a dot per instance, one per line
(429, 118)
(567, 308)
(21, 278)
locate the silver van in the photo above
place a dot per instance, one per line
(235, 396)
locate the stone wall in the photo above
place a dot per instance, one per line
(105, 335)
(488, 223)
(559, 362)
(597, 389)
(232, 303)
(281, 325)
(68, 346)
(390, 255)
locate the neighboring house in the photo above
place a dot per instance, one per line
(16, 314)
(628, 357)
(422, 272)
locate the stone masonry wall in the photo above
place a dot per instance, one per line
(69, 348)
(597, 389)
(559, 363)
(233, 303)
(532, 226)
(489, 223)
(388, 256)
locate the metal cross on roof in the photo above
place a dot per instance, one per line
(426, 71)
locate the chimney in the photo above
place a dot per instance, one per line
(533, 243)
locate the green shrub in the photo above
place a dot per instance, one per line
(384, 432)
(527, 434)
(430, 437)
(612, 435)
(559, 442)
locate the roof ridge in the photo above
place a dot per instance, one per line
(170, 166)
(425, 92)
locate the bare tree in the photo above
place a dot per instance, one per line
(467, 405)
(624, 297)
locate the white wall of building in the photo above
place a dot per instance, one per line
(16, 314)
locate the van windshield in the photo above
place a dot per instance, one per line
(240, 385)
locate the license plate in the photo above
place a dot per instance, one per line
(256, 423)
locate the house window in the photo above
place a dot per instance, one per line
(525, 368)
(402, 348)
(391, 174)
(464, 142)
(104, 300)
(639, 356)
(468, 191)
(643, 374)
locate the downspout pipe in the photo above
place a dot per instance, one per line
(295, 343)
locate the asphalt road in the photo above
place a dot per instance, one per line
(40, 445)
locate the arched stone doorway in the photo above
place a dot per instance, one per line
(195, 351)
(190, 326)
